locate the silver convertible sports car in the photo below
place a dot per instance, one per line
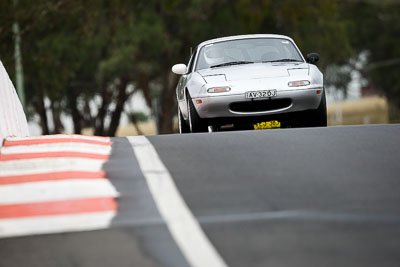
(249, 82)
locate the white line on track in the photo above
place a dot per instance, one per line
(181, 223)
(56, 190)
(302, 215)
(57, 147)
(34, 166)
(55, 224)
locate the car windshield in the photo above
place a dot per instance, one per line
(247, 51)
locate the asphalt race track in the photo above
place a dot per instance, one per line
(288, 197)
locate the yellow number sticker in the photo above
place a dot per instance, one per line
(267, 125)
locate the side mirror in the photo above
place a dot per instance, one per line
(312, 58)
(179, 69)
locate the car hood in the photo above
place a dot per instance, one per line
(253, 71)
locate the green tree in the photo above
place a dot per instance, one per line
(374, 29)
(86, 58)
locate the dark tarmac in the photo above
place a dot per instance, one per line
(287, 197)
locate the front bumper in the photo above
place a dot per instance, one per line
(220, 106)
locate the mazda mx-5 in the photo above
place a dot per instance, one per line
(250, 82)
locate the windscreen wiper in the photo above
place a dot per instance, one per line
(283, 60)
(232, 63)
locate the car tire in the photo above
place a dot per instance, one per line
(312, 118)
(196, 124)
(319, 116)
(183, 126)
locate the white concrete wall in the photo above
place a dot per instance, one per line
(12, 116)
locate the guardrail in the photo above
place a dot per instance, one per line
(12, 117)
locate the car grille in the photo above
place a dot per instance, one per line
(260, 105)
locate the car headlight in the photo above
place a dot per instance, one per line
(299, 83)
(218, 89)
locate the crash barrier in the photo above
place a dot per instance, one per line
(12, 117)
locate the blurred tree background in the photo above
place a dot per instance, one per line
(85, 58)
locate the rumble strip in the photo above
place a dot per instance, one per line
(53, 184)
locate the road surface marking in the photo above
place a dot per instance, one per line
(56, 190)
(304, 215)
(55, 224)
(184, 228)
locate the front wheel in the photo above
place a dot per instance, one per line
(313, 118)
(319, 116)
(183, 127)
(196, 124)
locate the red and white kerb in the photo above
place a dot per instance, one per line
(52, 184)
